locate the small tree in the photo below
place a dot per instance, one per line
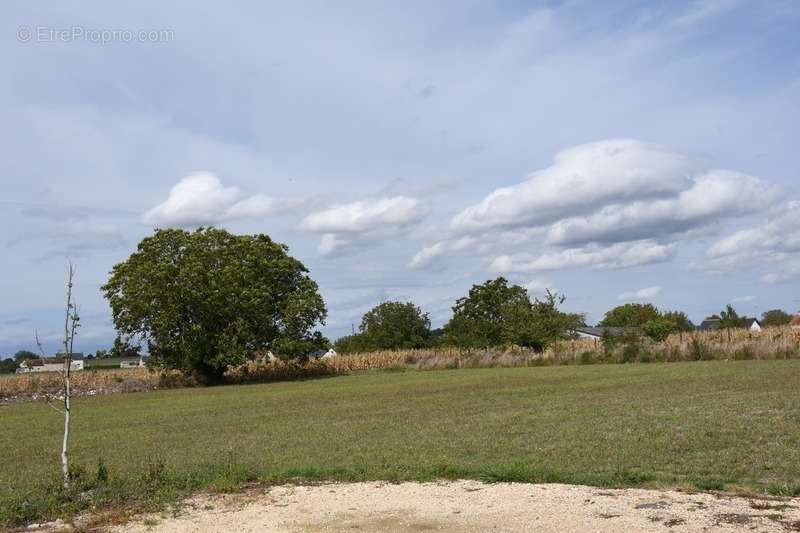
(729, 318)
(480, 318)
(71, 324)
(659, 329)
(395, 325)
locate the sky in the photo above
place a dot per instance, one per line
(612, 151)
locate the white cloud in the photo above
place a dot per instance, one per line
(363, 222)
(774, 240)
(648, 293)
(365, 216)
(620, 255)
(788, 273)
(743, 299)
(713, 196)
(428, 254)
(200, 198)
(615, 191)
(581, 179)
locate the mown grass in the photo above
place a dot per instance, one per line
(710, 425)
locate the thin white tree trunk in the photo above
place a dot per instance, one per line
(70, 324)
(65, 444)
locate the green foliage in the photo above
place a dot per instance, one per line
(775, 317)
(389, 326)
(496, 313)
(479, 319)
(656, 324)
(630, 316)
(679, 320)
(659, 329)
(204, 300)
(8, 366)
(396, 325)
(102, 471)
(357, 342)
(121, 348)
(729, 318)
(23, 355)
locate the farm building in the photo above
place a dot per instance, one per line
(597, 333)
(713, 323)
(50, 364)
(796, 321)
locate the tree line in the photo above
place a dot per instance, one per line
(205, 300)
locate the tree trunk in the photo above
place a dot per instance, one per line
(65, 443)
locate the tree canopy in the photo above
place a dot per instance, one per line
(630, 316)
(8, 366)
(389, 326)
(729, 318)
(775, 317)
(496, 313)
(656, 324)
(204, 300)
(22, 355)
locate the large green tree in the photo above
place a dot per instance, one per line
(204, 300)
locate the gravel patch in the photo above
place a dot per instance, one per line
(470, 506)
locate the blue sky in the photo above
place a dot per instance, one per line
(614, 151)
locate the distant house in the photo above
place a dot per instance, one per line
(322, 354)
(795, 323)
(132, 362)
(50, 364)
(713, 323)
(597, 333)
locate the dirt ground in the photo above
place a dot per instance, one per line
(466, 506)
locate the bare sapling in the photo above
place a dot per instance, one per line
(71, 324)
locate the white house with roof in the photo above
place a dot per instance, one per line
(50, 364)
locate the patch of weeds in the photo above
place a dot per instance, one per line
(706, 484)
(155, 471)
(394, 368)
(784, 490)
(150, 522)
(672, 522)
(102, 471)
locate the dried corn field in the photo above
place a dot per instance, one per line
(772, 343)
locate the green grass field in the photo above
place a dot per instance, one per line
(710, 425)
